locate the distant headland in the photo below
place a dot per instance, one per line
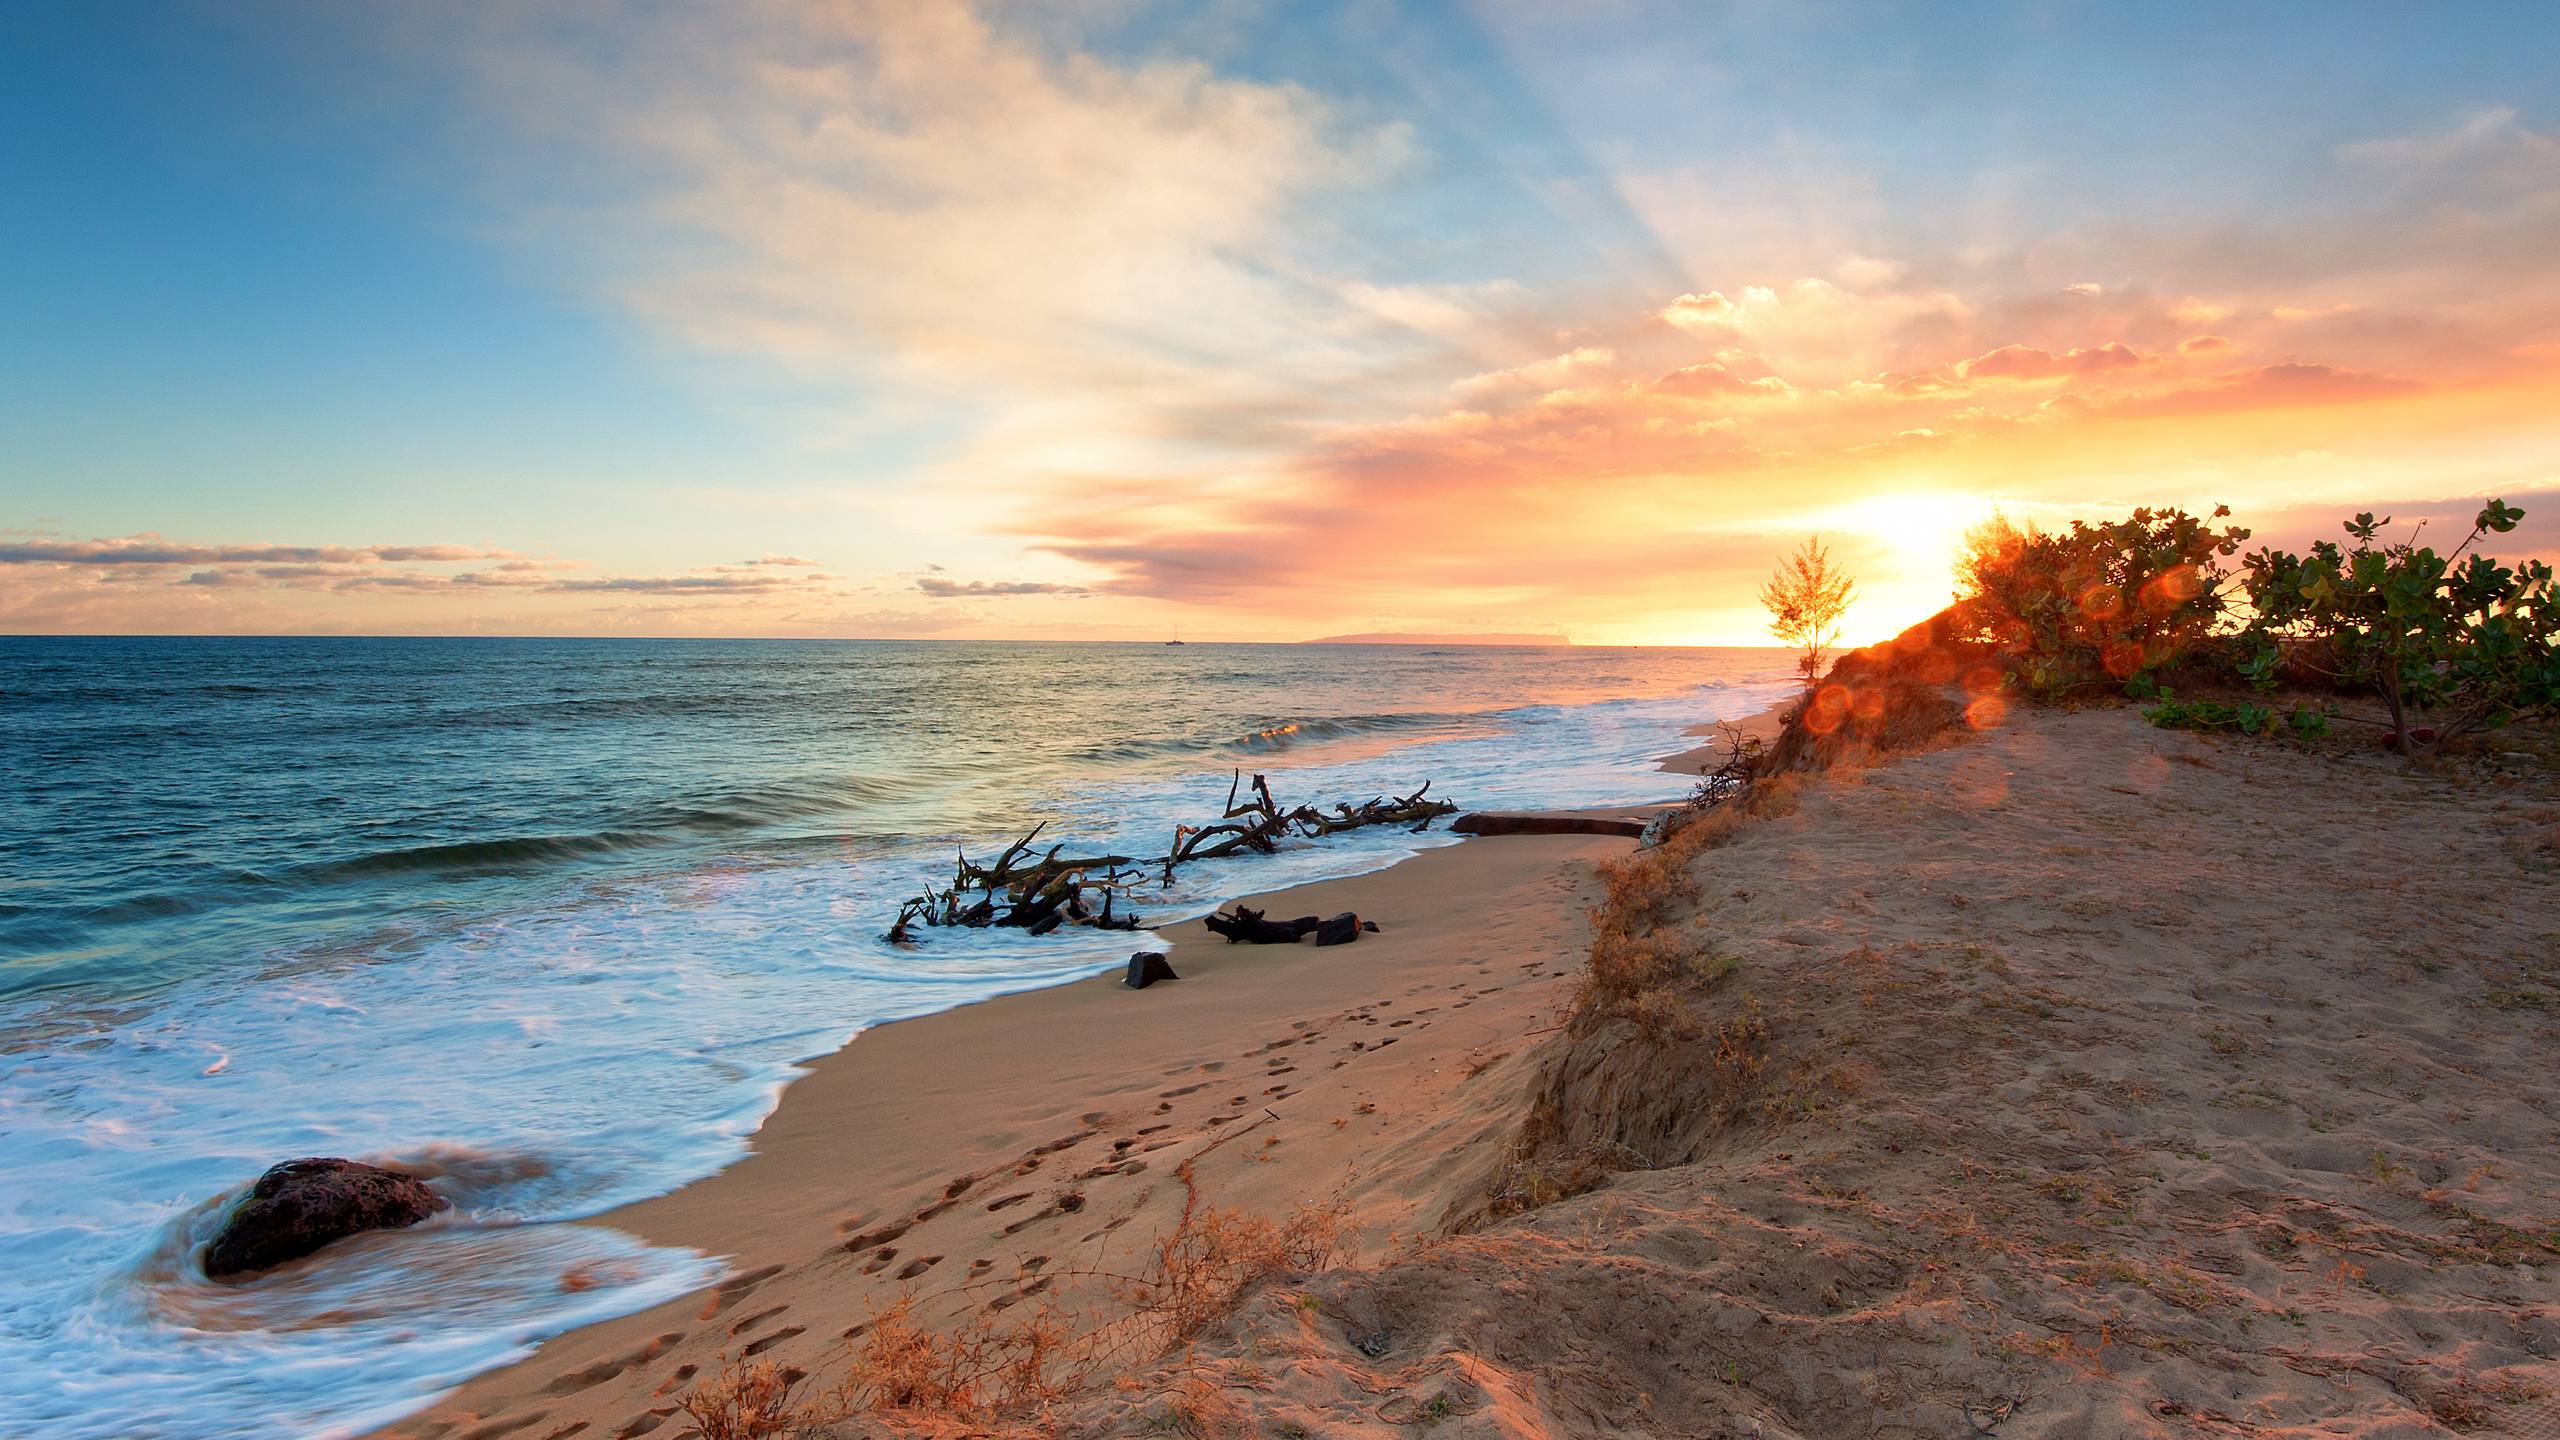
(1404, 637)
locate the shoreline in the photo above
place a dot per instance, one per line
(927, 1136)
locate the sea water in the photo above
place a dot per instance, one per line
(554, 921)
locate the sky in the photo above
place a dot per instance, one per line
(1233, 320)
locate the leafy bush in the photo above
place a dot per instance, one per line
(2246, 717)
(2111, 604)
(2477, 641)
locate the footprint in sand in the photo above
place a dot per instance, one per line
(869, 1238)
(752, 1321)
(681, 1374)
(588, 1376)
(1003, 1202)
(1016, 1296)
(1061, 1143)
(880, 1261)
(729, 1291)
(776, 1338)
(643, 1423)
(918, 1266)
(1185, 1090)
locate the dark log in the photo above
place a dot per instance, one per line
(1146, 968)
(1482, 824)
(1248, 927)
(1342, 929)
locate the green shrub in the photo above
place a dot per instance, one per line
(2097, 605)
(2477, 642)
(2246, 717)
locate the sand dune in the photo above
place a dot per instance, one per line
(2116, 1082)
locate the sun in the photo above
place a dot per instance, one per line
(1902, 548)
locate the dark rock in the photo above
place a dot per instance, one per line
(301, 1205)
(1542, 825)
(1147, 967)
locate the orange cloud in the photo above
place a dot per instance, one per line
(2026, 362)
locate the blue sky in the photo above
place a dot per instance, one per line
(634, 292)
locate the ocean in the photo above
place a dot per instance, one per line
(557, 919)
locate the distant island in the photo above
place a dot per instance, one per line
(1402, 637)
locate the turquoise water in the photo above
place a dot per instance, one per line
(557, 919)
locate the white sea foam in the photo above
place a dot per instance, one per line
(547, 1066)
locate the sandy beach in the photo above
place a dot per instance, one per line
(961, 1155)
(2072, 1079)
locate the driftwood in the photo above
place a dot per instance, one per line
(1342, 929)
(1730, 781)
(1543, 825)
(1249, 927)
(1039, 891)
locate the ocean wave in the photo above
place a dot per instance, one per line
(1289, 732)
(708, 812)
(478, 857)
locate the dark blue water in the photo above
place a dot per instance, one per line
(557, 917)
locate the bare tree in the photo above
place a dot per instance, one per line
(1806, 598)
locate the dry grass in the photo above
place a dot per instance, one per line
(987, 1375)
(1643, 966)
(756, 1400)
(979, 1372)
(1203, 1269)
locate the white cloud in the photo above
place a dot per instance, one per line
(890, 194)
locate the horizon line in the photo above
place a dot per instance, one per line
(841, 639)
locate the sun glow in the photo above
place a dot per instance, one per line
(1902, 548)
